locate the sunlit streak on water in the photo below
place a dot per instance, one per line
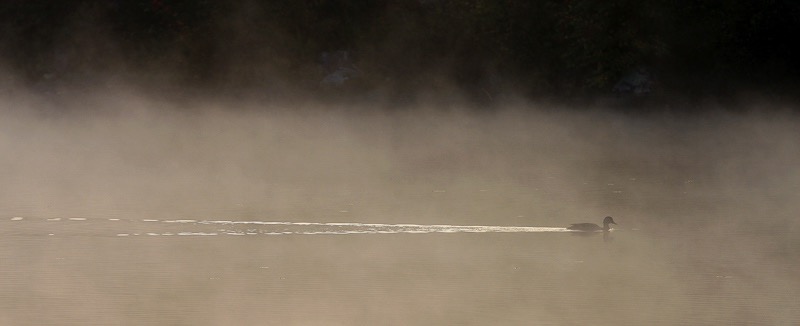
(190, 227)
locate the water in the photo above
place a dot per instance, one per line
(209, 272)
(187, 227)
(146, 215)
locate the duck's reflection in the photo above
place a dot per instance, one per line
(607, 237)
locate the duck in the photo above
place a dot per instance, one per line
(591, 227)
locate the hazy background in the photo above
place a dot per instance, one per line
(706, 207)
(129, 152)
(463, 113)
(403, 51)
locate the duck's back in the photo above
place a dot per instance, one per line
(584, 227)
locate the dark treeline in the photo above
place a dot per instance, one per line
(553, 48)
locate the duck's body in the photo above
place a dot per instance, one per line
(584, 227)
(590, 227)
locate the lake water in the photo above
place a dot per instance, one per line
(145, 215)
(80, 271)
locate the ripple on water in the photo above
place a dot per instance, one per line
(192, 227)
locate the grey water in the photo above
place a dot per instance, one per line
(114, 271)
(224, 217)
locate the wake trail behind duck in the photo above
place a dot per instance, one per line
(192, 227)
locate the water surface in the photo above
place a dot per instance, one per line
(204, 272)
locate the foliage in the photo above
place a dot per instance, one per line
(562, 47)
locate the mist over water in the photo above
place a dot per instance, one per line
(398, 163)
(97, 190)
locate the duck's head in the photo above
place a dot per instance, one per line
(609, 220)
